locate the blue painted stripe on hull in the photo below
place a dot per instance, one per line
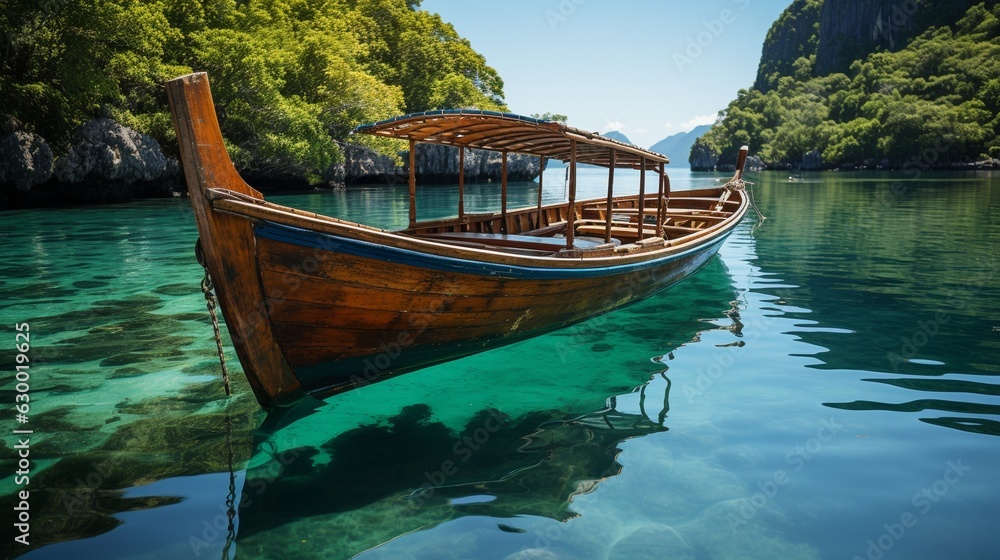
(354, 247)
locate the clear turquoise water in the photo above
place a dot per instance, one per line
(826, 388)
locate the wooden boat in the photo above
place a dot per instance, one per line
(317, 305)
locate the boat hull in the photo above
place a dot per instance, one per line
(346, 313)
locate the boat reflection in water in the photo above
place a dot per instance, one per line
(424, 472)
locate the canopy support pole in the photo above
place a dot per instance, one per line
(541, 173)
(503, 192)
(571, 206)
(660, 210)
(642, 196)
(611, 194)
(461, 183)
(413, 182)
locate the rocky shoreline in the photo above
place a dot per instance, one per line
(436, 164)
(108, 163)
(704, 159)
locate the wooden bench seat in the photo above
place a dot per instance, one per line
(679, 212)
(671, 212)
(529, 242)
(617, 231)
(683, 199)
(631, 233)
(547, 231)
(681, 229)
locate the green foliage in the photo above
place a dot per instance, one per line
(457, 91)
(551, 117)
(420, 53)
(795, 35)
(70, 60)
(290, 78)
(935, 101)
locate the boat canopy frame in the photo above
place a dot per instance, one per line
(545, 139)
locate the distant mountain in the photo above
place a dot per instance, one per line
(615, 135)
(677, 147)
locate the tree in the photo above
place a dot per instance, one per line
(422, 54)
(72, 60)
(551, 117)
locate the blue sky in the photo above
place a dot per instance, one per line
(645, 67)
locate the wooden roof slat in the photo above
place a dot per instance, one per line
(512, 137)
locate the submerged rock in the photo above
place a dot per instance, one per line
(533, 554)
(653, 542)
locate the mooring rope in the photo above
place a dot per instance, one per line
(741, 185)
(209, 290)
(231, 497)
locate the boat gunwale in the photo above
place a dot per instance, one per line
(609, 266)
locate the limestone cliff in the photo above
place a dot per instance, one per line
(439, 164)
(25, 160)
(838, 32)
(107, 162)
(864, 84)
(852, 29)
